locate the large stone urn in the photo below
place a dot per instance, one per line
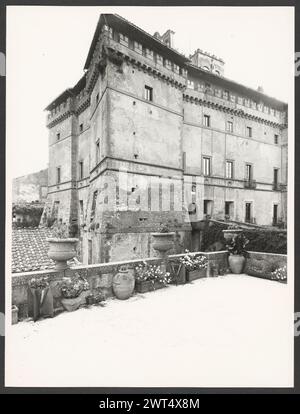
(229, 234)
(61, 250)
(163, 242)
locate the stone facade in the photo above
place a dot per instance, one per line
(144, 112)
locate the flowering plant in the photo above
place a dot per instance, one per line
(72, 287)
(193, 262)
(237, 245)
(279, 274)
(60, 230)
(153, 273)
(39, 282)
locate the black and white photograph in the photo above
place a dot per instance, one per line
(149, 197)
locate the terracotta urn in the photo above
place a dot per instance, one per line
(123, 283)
(236, 263)
(61, 250)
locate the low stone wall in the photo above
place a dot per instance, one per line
(260, 264)
(99, 276)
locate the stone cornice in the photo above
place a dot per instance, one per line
(234, 111)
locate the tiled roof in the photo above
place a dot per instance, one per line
(29, 249)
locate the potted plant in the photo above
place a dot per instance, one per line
(150, 277)
(40, 298)
(237, 253)
(232, 231)
(195, 266)
(95, 298)
(163, 239)
(62, 246)
(74, 291)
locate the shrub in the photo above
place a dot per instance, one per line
(192, 262)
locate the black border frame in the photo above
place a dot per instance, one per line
(167, 392)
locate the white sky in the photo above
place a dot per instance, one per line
(47, 48)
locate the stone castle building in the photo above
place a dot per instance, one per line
(143, 111)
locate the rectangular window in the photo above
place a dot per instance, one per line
(123, 39)
(94, 205)
(229, 169)
(206, 166)
(97, 152)
(229, 209)
(275, 214)
(249, 132)
(207, 120)
(207, 207)
(81, 210)
(275, 177)
(58, 175)
(97, 97)
(80, 127)
(248, 172)
(148, 93)
(226, 94)
(58, 136)
(276, 139)
(248, 212)
(229, 126)
(190, 84)
(80, 170)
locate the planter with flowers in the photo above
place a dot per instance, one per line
(62, 246)
(195, 266)
(74, 291)
(150, 277)
(40, 298)
(280, 274)
(237, 253)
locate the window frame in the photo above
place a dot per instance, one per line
(232, 169)
(229, 126)
(148, 90)
(204, 159)
(206, 120)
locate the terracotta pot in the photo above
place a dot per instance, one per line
(236, 263)
(230, 233)
(123, 283)
(61, 250)
(163, 241)
(72, 304)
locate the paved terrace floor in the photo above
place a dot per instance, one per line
(225, 331)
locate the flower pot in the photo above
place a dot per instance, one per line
(195, 274)
(14, 314)
(148, 286)
(40, 302)
(231, 233)
(163, 241)
(123, 283)
(72, 304)
(61, 250)
(236, 263)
